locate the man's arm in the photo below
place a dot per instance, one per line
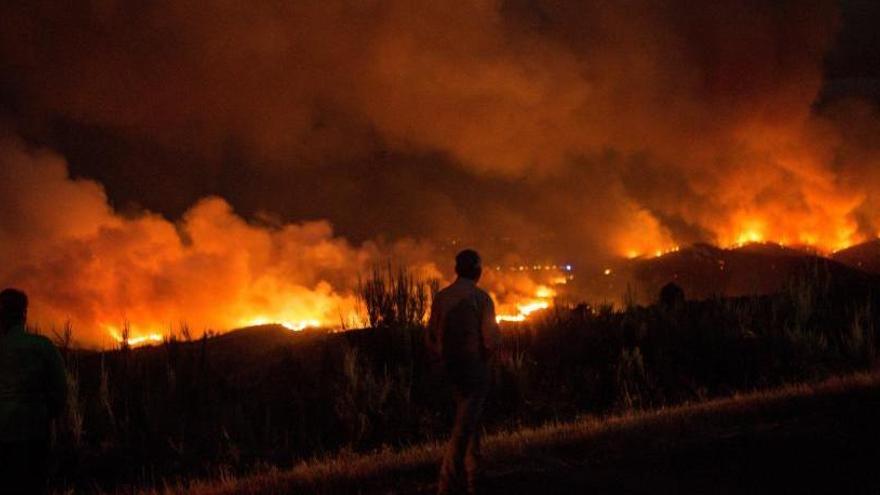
(489, 329)
(433, 339)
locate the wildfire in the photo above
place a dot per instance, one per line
(542, 299)
(656, 253)
(823, 231)
(756, 232)
(135, 338)
(749, 237)
(296, 326)
(134, 341)
(827, 243)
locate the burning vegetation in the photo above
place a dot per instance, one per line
(130, 278)
(231, 164)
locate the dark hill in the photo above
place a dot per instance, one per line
(703, 270)
(865, 256)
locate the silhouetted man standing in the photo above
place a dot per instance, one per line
(32, 392)
(462, 332)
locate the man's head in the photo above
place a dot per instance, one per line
(13, 308)
(468, 265)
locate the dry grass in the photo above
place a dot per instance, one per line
(348, 472)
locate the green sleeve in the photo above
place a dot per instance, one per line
(56, 391)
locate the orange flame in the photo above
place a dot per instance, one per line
(542, 299)
(293, 325)
(136, 340)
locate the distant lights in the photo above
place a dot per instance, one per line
(536, 268)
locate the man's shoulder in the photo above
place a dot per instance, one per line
(38, 341)
(31, 344)
(458, 290)
(443, 293)
(483, 295)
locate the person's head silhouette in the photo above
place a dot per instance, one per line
(468, 265)
(671, 296)
(13, 308)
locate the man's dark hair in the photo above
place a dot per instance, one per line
(671, 296)
(13, 307)
(468, 264)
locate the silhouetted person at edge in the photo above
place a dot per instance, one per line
(32, 392)
(462, 332)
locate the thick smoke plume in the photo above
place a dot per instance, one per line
(562, 130)
(82, 262)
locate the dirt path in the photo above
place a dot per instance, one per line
(803, 439)
(824, 443)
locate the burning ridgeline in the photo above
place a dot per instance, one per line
(539, 297)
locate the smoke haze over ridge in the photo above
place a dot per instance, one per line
(560, 129)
